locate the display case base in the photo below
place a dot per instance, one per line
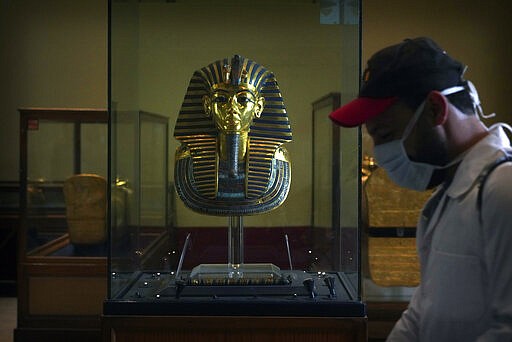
(302, 294)
(232, 328)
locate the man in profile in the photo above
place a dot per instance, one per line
(423, 117)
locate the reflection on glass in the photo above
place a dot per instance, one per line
(139, 205)
(322, 154)
(94, 154)
(153, 174)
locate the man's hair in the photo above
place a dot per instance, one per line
(463, 101)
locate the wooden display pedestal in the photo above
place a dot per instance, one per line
(232, 329)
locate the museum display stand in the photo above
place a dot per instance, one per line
(234, 266)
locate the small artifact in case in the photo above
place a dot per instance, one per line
(86, 204)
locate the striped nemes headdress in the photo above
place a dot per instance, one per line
(197, 176)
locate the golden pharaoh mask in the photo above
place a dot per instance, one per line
(231, 126)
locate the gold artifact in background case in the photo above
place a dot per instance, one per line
(391, 260)
(86, 206)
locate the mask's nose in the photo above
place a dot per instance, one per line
(232, 110)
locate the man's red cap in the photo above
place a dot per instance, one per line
(411, 68)
(360, 110)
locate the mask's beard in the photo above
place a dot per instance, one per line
(233, 143)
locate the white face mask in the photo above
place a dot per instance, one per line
(393, 158)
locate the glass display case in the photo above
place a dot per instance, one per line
(298, 259)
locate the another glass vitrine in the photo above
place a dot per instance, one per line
(55, 145)
(63, 236)
(62, 244)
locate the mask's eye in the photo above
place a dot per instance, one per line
(242, 99)
(220, 99)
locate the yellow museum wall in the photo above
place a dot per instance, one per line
(53, 53)
(478, 33)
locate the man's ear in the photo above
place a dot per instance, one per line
(437, 106)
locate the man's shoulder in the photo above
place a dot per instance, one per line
(496, 183)
(501, 174)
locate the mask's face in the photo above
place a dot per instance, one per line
(233, 107)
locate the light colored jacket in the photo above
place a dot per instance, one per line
(466, 267)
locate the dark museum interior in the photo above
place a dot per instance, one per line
(95, 109)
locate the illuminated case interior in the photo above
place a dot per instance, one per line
(300, 259)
